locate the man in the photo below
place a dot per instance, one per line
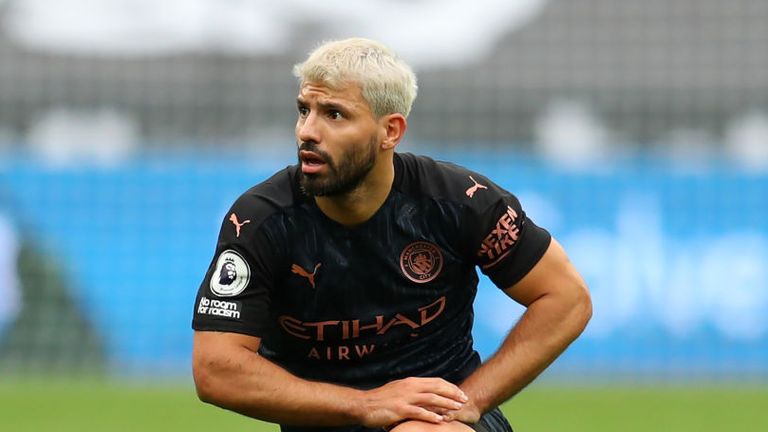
(352, 274)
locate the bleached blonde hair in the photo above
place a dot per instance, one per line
(387, 83)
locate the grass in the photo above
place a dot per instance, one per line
(627, 409)
(64, 406)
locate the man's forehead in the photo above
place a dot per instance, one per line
(349, 93)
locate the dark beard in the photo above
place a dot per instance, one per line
(342, 178)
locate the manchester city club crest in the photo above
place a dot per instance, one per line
(231, 275)
(421, 261)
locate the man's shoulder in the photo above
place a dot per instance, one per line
(424, 175)
(275, 194)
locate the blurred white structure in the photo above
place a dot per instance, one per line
(66, 136)
(569, 133)
(746, 139)
(203, 71)
(427, 32)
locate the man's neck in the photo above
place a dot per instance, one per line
(363, 202)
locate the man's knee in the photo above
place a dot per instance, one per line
(419, 426)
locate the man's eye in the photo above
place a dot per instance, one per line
(303, 111)
(335, 115)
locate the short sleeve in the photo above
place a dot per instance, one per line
(234, 294)
(505, 243)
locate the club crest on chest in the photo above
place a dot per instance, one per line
(421, 261)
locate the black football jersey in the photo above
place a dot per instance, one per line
(387, 299)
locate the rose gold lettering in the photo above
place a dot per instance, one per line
(343, 352)
(351, 329)
(356, 328)
(320, 328)
(399, 319)
(363, 350)
(503, 236)
(487, 248)
(425, 317)
(292, 326)
(345, 330)
(500, 231)
(512, 213)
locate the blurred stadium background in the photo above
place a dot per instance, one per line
(636, 131)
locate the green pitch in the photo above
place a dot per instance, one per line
(96, 406)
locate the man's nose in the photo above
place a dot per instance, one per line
(308, 129)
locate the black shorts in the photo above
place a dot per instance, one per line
(492, 421)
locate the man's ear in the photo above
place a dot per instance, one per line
(394, 126)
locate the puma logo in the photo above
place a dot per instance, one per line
(238, 225)
(471, 191)
(303, 273)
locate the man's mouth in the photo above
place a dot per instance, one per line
(311, 162)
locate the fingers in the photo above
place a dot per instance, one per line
(442, 411)
(435, 395)
(423, 414)
(436, 398)
(436, 401)
(425, 399)
(439, 387)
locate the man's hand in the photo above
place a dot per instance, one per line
(425, 399)
(469, 414)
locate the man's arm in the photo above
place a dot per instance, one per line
(558, 307)
(229, 373)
